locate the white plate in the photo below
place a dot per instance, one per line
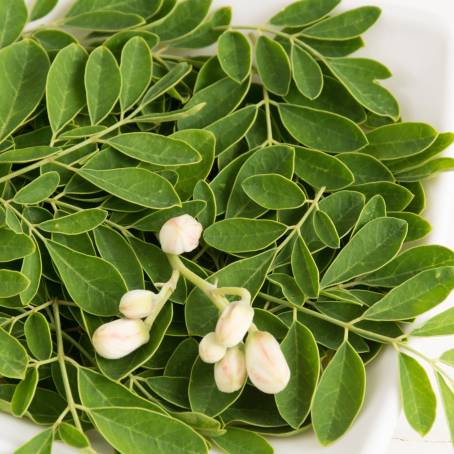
(415, 39)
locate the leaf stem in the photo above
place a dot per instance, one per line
(269, 126)
(26, 314)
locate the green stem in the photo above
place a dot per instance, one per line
(269, 126)
(26, 314)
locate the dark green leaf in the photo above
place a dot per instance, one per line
(27, 154)
(305, 269)
(373, 209)
(38, 337)
(76, 223)
(204, 193)
(24, 393)
(235, 55)
(14, 246)
(418, 227)
(306, 72)
(32, 269)
(14, 359)
(303, 12)
(12, 283)
(13, 17)
(241, 441)
(427, 170)
(325, 229)
(397, 197)
(365, 168)
(38, 190)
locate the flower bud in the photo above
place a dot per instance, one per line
(119, 338)
(266, 365)
(230, 373)
(210, 350)
(137, 304)
(234, 323)
(180, 234)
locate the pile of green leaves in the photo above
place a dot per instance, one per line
(295, 161)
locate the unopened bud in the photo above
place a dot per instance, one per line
(180, 234)
(210, 350)
(230, 372)
(266, 365)
(137, 304)
(234, 323)
(119, 338)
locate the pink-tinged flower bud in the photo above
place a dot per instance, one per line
(210, 350)
(234, 323)
(119, 338)
(230, 373)
(180, 234)
(137, 304)
(266, 365)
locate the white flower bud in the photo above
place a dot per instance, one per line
(234, 323)
(119, 338)
(210, 350)
(180, 234)
(137, 304)
(266, 365)
(230, 373)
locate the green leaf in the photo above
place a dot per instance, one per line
(24, 393)
(14, 358)
(373, 246)
(172, 389)
(102, 84)
(220, 98)
(415, 296)
(373, 209)
(289, 287)
(273, 191)
(320, 169)
(135, 185)
(232, 128)
(12, 283)
(339, 396)
(32, 270)
(409, 264)
(243, 235)
(54, 40)
(204, 193)
(117, 41)
(448, 357)
(301, 352)
(76, 223)
(42, 8)
(359, 76)
(27, 154)
(365, 168)
(324, 131)
(273, 65)
(439, 325)
(325, 229)
(65, 91)
(306, 72)
(182, 359)
(13, 17)
(305, 269)
(426, 170)
(104, 21)
(72, 436)
(38, 190)
(136, 71)
(14, 246)
(94, 284)
(400, 140)
(329, 48)
(447, 394)
(303, 12)
(38, 337)
(418, 227)
(349, 24)
(241, 441)
(155, 149)
(418, 397)
(396, 196)
(19, 97)
(39, 444)
(116, 250)
(235, 55)
(145, 8)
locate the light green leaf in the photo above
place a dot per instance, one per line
(165, 117)
(320, 169)
(303, 12)
(359, 76)
(418, 397)
(24, 393)
(27, 154)
(37, 336)
(13, 17)
(305, 269)
(373, 209)
(448, 357)
(242, 441)
(135, 185)
(39, 444)
(155, 149)
(42, 8)
(273, 65)
(243, 235)
(102, 84)
(32, 269)
(38, 190)
(415, 296)
(447, 394)
(76, 223)
(72, 436)
(14, 246)
(325, 229)
(12, 283)
(339, 396)
(102, 20)
(65, 91)
(136, 71)
(439, 325)
(373, 246)
(14, 358)
(94, 284)
(301, 352)
(324, 131)
(426, 170)
(235, 55)
(20, 96)
(365, 168)
(349, 24)
(273, 191)
(306, 72)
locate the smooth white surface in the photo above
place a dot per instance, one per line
(415, 38)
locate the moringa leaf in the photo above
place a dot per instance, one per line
(235, 55)
(241, 441)
(303, 12)
(76, 223)
(24, 393)
(38, 190)
(439, 325)
(365, 168)
(42, 8)
(14, 246)
(305, 269)
(447, 394)
(13, 17)
(14, 358)
(306, 72)
(39, 444)
(104, 20)
(38, 336)
(73, 436)
(325, 229)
